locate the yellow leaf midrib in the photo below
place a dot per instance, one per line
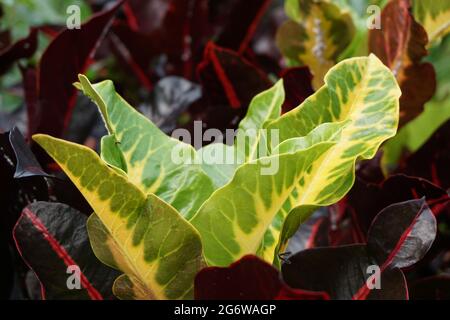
(330, 155)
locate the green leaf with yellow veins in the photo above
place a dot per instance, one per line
(233, 221)
(330, 131)
(264, 108)
(363, 94)
(151, 157)
(349, 118)
(220, 161)
(112, 155)
(318, 32)
(434, 16)
(326, 132)
(141, 235)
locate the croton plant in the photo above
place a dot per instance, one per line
(305, 201)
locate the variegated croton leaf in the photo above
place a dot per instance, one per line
(141, 150)
(238, 207)
(320, 141)
(434, 15)
(316, 34)
(158, 251)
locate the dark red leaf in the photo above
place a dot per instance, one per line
(250, 278)
(229, 83)
(394, 287)
(29, 83)
(5, 37)
(126, 45)
(401, 234)
(242, 24)
(401, 44)
(60, 188)
(432, 160)
(24, 181)
(225, 74)
(371, 170)
(15, 194)
(348, 222)
(297, 85)
(365, 200)
(66, 56)
(178, 29)
(145, 15)
(417, 88)
(52, 237)
(343, 271)
(23, 48)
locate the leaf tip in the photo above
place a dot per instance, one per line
(78, 85)
(83, 79)
(39, 137)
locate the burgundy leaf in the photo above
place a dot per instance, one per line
(242, 24)
(23, 48)
(126, 45)
(51, 237)
(432, 160)
(146, 15)
(417, 88)
(343, 271)
(229, 83)
(66, 56)
(60, 188)
(250, 278)
(401, 44)
(191, 18)
(15, 194)
(394, 287)
(348, 222)
(24, 181)
(371, 170)
(365, 200)
(401, 234)
(29, 82)
(5, 37)
(297, 85)
(177, 30)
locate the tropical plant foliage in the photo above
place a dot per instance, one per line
(339, 163)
